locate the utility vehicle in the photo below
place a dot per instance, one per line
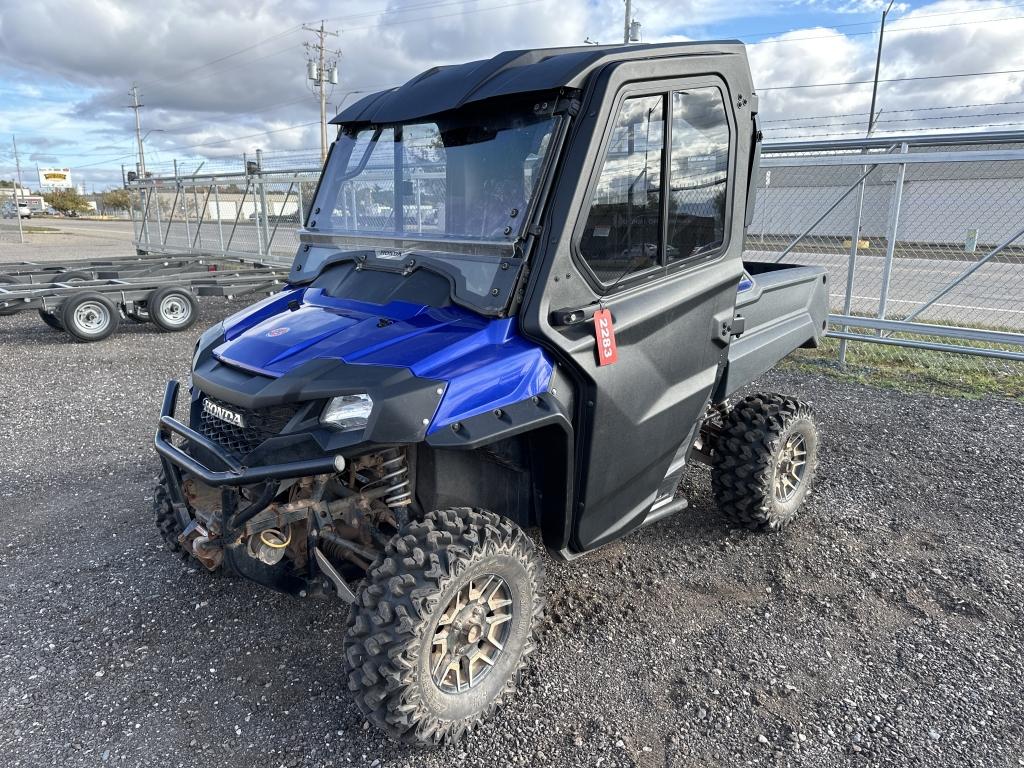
(548, 346)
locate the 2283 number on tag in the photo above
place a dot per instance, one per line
(604, 332)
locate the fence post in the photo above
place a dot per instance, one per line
(894, 225)
(220, 216)
(136, 226)
(184, 205)
(263, 221)
(764, 199)
(851, 267)
(161, 238)
(150, 194)
(200, 215)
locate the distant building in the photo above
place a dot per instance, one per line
(34, 202)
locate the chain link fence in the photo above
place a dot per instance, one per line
(922, 237)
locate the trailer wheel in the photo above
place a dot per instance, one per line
(8, 280)
(89, 316)
(172, 309)
(51, 319)
(443, 624)
(764, 461)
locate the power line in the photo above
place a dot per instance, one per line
(898, 21)
(446, 15)
(290, 31)
(206, 143)
(892, 80)
(800, 131)
(240, 65)
(894, 31)
(189, 73)
(901, 120)
(894, 111)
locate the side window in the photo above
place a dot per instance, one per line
(699, 170)
(623, 230)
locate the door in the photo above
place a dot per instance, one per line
(655, 238)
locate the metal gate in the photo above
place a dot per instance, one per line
(252, 210)
(922, 239)
(921, 236)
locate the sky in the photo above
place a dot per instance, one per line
(220, 79)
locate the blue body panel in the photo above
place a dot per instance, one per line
(485, 363)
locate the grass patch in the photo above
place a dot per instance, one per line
(913, 370)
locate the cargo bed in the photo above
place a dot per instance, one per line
(783, 307)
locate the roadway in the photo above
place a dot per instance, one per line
(993, 297)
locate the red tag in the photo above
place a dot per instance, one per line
(604, 332)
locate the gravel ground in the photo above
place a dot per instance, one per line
(884, 628)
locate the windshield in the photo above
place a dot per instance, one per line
(459, 176)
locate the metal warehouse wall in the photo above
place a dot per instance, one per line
(941, 202)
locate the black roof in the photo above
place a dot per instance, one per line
(512, 72)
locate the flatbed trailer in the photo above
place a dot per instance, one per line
(88, 298)
(141, 265)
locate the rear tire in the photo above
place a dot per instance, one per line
(172, 309)
(89, 316)
(764, 461)
(461, 585)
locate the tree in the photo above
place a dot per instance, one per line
(117, 200)
(67, 200)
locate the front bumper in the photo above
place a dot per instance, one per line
(232, 472)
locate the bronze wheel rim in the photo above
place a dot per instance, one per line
(471, 634)
(790, 469)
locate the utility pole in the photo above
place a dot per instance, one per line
(21, 194)
(317, 71)
(878, 64)
(138, 129)
(17, 165)
(630, 26)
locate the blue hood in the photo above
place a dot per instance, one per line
(485, 363)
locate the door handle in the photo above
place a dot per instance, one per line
(572, 316)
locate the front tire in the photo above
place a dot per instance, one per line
(167, 521)
(765, 458)
(459, 586)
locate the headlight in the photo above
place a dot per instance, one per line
(347, 412)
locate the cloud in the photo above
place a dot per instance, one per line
(218, 81)
(947, 37)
